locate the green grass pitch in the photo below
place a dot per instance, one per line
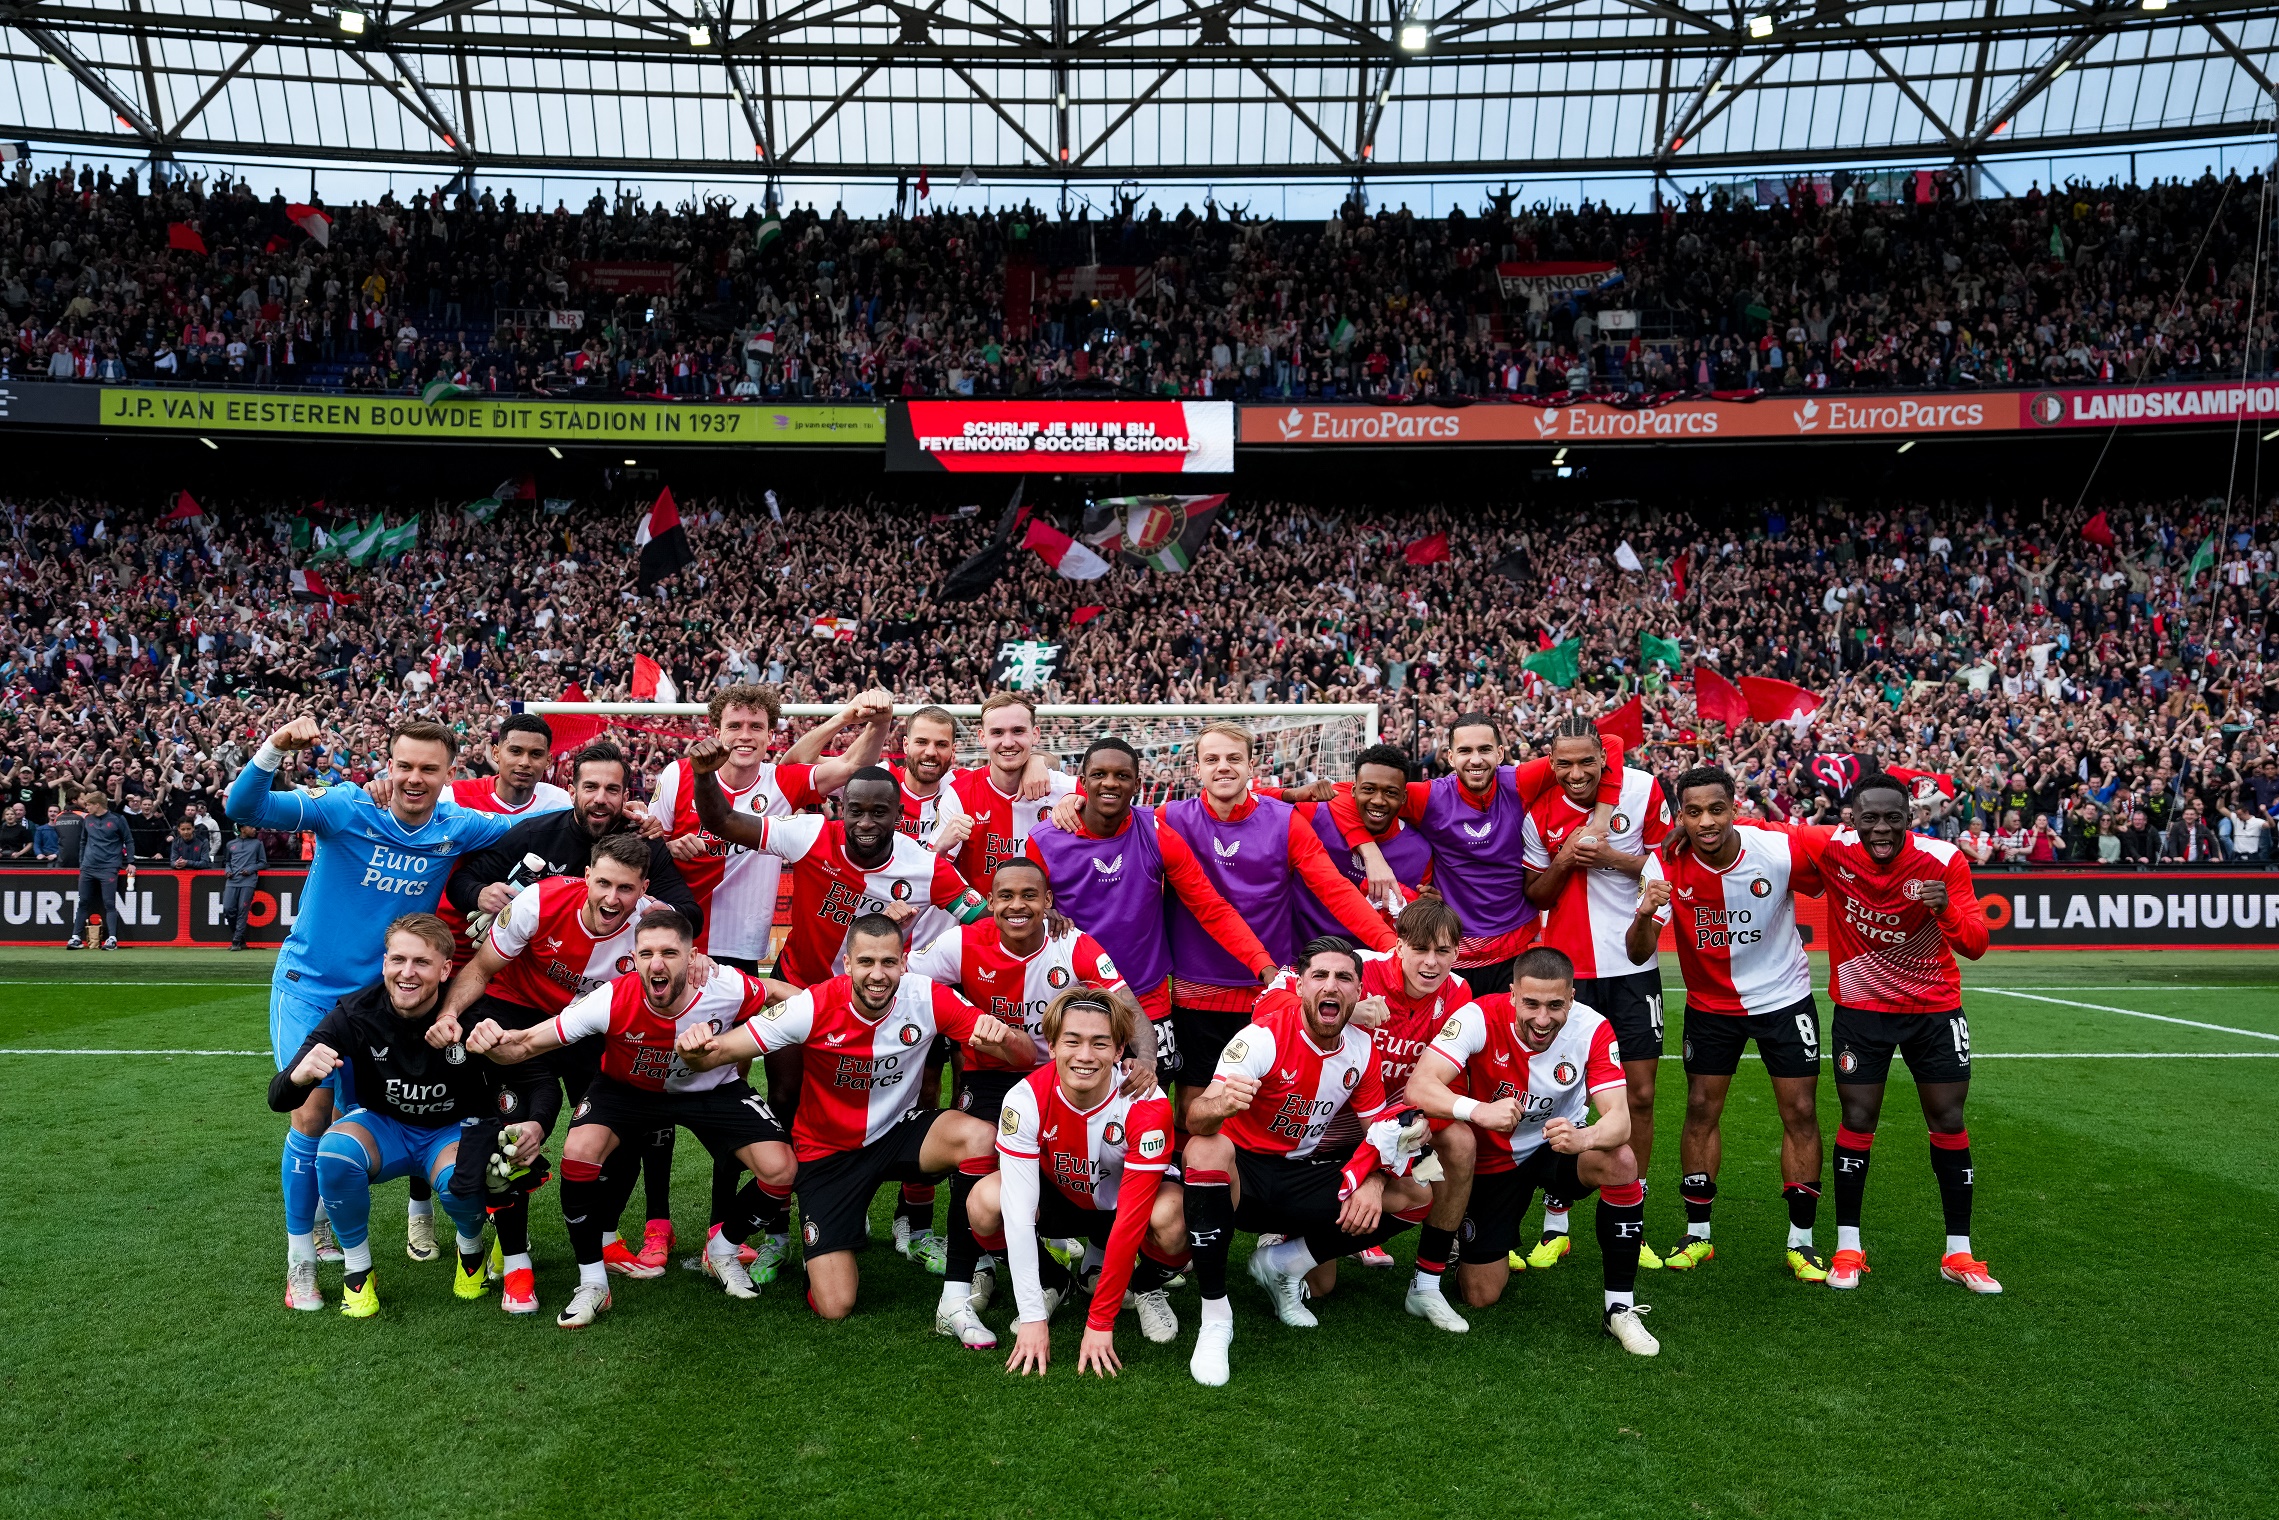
(2127, 1204)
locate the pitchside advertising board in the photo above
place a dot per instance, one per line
(165, 907)
(1062, 437)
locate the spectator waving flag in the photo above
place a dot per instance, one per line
(1627, 723)
(1067, 557)
(185, 508)
(1839, 770)
(1772, 701)
(2098, 531)
(1154, 532)
(1924, 784)
(1717, 699)
(517, 488)
(1432, 549)
(183, 238)
(308, 586)
(843, 629)
(660, 542)
(311, 221)
(1560, 665)
(651, 683)
(1627, 557)
(1659, 650)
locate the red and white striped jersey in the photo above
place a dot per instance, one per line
(1482, 1039)
(1591, 919)
(1001, 823)
(1084, 1152)
(551, 957)
(1011, 987)
(734, 886)
(1301, 1087)
(1736, 928)
(1887, 951)
(479, 794)
(858, 1078)
(639, 1050)
(919, 814)
(1400, 1039)
(829, 891)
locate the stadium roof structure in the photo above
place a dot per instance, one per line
(1115, 89)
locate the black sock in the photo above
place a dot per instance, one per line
(1148, 1274)
(1621, 1228)
(916, 1204)
(512, 1220)
(1699, 1190)
(619, 1174)
(1210, 1220)
(770, 1214)
(962, 1249)
(420, 1188)
(725, 1196)
(1051, 1274)
(1803, 1203)
(657, 1173)
(581, 1210)
(355, 1280)
(1432, 1248)
(1953, 1169)
(1851, 1175)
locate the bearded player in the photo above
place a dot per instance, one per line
(1730, 891)
(1530, 1065)
(1584, 878)
(1901, 908)
(1080, 1157)
(862, 1036)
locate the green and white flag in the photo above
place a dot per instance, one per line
(361, 544)
(399, 541)
(480, 511)
(770, 230)
(2205, 559)
(1343, 335)
(443, 388)
(1651, 649)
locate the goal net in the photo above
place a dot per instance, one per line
(1296, 742)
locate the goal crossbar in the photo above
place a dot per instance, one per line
(1365, 712)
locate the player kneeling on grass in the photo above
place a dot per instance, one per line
(863, 1037)
(402, 1105)
(1255, 1160)
(1080, 1158)
(1541, 1058)
(644, 1086)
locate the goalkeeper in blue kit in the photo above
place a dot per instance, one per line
(372, 865)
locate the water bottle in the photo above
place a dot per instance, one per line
(530, 872)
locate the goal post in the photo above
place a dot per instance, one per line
(1297, 741)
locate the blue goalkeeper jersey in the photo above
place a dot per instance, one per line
(368, 870)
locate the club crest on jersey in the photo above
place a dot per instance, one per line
(965, 1102)
(1760, 888)
(1665, 817)
(455, 1054)
(909, 1034)
(1009, 1121)
(1152, 1144)
(1847, 1062)
(1351, 1076)
(1056, 977)
(1563, 1073)
(1912, 890)
(585, 1107)
(715, 1026)
(1619, 822)
(625, 965)
(810, 1232)
(900, 891)
(1113, 1134)
(509, 1101)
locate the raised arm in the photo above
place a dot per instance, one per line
(705, 757)
(251, 801)
(1344, 900)
(874, 711)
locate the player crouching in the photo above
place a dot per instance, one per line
(1103, 1154)
(1254, 1161)
(402, 1102)
(1540, 1057)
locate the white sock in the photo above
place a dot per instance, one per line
(1555, 1221)
(1425, 1282)
(1698, 1230)
(300, 1248)
(322, 1217)
(469, 1245)
(421, 1208)
(1800, 1236)
(718, 1246)
(1622, 1300)
(1958, 1245)
(956, 1295)
(1847, 1237)
(1093, 1256)
(985, 1263)
(518, 1262)
(1290, 1258)
(1218, 1311)
(592, 1274)
(356, 1258)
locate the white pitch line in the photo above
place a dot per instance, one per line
(4, 1052)
(2159, 1018)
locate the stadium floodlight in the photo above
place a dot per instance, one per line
(1761, 27)
(2274, 433)
(700, 36)
(1415, 37)
(351, 20)
(209, 443)
(1910, 443)
(2155, 5)
(557, 453)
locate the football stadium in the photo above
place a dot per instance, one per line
(1016, 757)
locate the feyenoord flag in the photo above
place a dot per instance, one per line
(1154, 532)
(311, 221)
(1070, 558)
(308, 586)
(1024, 666)
(1839, 770)
(660, 541)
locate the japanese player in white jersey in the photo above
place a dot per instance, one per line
(1081, 1157)
(1730, 888)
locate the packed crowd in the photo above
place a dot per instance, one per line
(112, 280)
(2089, 703)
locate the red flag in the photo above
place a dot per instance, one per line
(2098, 531)
(1430, 550)
(309, 586)
(924, 190)
(1627, 723)
(184, 509)
(1064, 554)
(650, 683)
(311, 221)
(1772, 701)
(1717, 699)
(1684, 562)
(1923, 783)
(1083, 615)
(574, 731)
(660, 543)
(184, 238)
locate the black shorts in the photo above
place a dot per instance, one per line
(536, 1088)
(1494, 976)
(1499, 1201)
(724, 1119)
(835, 1191)
(1937, 1045)
(982, 1093)
(1197, 1037)
(1633, 1005)
(1293, 1197)
(1788, 1038)
(1059, 1219)
(748, 964)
